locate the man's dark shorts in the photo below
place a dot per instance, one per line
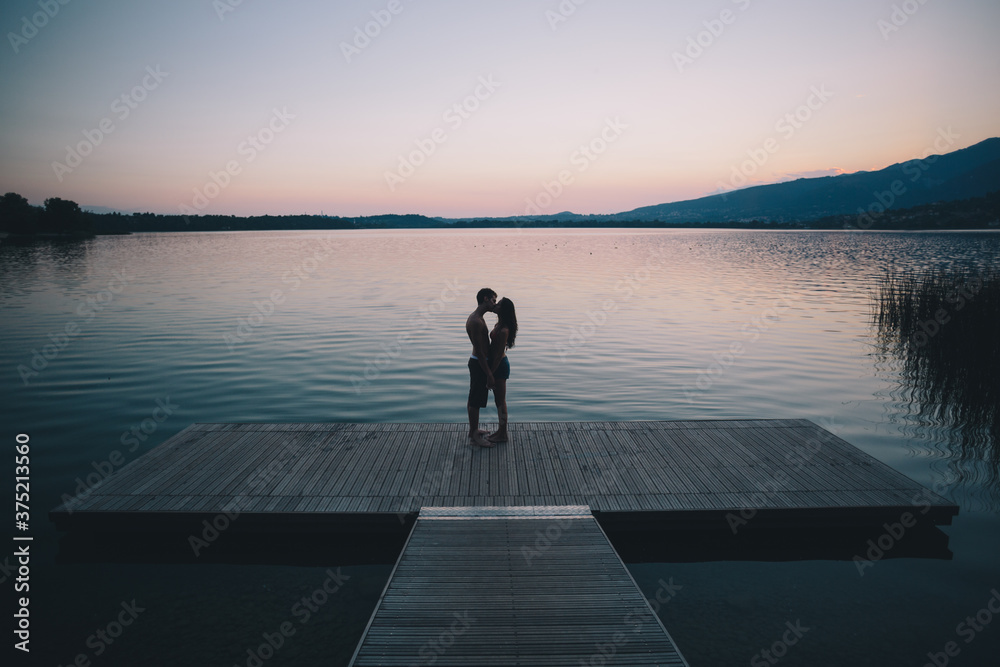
(478, 393)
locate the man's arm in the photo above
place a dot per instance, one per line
(490, 381)
(482, 351)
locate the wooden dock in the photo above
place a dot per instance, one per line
(512, 586)
(356, 476)
(505, 563)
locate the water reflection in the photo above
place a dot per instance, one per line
(942, 328)
(25, 263)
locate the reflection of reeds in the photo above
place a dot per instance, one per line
(944, 327)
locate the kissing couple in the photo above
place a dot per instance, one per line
(489, 367)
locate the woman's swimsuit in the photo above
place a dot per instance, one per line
(503, 370)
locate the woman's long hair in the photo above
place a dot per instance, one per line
(508, 318)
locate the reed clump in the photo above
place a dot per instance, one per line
(944, 325)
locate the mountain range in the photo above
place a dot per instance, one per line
(962, 174)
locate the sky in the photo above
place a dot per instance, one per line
(460, 108)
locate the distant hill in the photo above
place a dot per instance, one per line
(962, 174)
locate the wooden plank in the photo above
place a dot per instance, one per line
(352, 450)
(336, 452)
(232, 462)
(309, 450)
(398, 469)
(325, 454)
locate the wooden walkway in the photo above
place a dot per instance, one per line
(320, 475)
(512, 586)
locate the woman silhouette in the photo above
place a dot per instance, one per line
(501, 339)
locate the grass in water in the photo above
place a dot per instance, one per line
(945, 326)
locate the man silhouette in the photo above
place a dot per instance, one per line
(480, 377)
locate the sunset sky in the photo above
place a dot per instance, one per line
(464, 107)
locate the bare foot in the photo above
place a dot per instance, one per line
(478, 439)
(497, 437)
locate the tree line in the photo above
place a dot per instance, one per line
(57, 216)
(63, 217)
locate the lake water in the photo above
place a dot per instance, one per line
(368, 326)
